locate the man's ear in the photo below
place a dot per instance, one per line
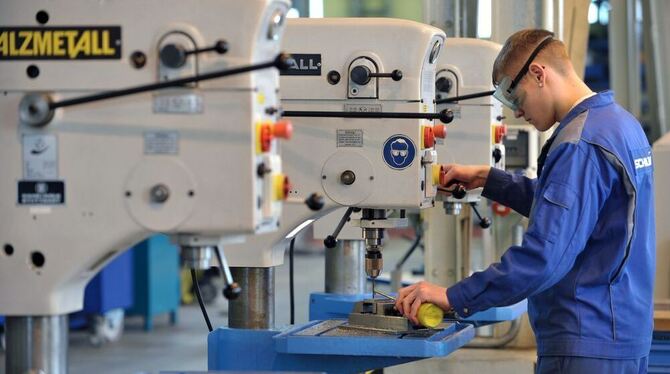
(538, 72)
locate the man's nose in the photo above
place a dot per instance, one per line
(518, 113)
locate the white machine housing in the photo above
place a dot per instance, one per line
(323, 148)
(103, 158)
(471, 137)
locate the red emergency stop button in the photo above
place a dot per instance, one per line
(264, 137)
(283, 129)
(428, 137)
(499, 133)
(440, 131)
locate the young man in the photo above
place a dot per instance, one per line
(586, 263)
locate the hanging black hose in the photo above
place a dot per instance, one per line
(196, 288)
(290, 280)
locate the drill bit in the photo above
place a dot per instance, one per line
(385, 295)
(373, 288)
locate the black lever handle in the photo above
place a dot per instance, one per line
(464, 97)
(38, 109)
(458, 191)
(484, 222)
(445, 116)
(396, 75)
(361, 75)
(174, 55)
(331, 240)
(232, 289)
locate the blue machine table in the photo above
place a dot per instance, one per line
(329, 346)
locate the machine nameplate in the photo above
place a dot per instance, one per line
(60, 43)
(161, 143)
(40, 157)
(178, 104)
(349, 138)
(374, 108)
(41, 192)
(303, 64)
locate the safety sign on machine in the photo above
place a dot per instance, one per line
(399, 152)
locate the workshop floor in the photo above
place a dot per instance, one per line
(183, 347)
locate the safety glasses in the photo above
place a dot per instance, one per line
(506, 90)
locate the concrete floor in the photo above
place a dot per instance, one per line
(183, 347)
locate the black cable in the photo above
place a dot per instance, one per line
(290, 280)
(412, 248)
(196, 287)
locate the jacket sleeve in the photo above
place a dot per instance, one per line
(563, 216)
(511, 190)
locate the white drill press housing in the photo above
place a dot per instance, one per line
(324, 149)
(474, 134)
(78, 190)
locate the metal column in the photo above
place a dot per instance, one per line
(255, 307)
(36, 344)
(624, 55)
(345, 273)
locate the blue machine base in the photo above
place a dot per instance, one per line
(332, 306)
(287, 350)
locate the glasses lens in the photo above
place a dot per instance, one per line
(395, 153)
(505, 95)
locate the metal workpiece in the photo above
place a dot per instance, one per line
(254, 308)
(35, 344)
(379, 315)
(345, 272)
(197, 257)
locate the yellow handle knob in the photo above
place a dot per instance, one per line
(430, 315)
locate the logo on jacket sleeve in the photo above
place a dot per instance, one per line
(399, 152)
(643, 162)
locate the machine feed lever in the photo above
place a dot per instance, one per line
(445, 116)
(232, 290)
(484, 222)
(464, 97)
(331, 240)
(38, 109)
(174, 55)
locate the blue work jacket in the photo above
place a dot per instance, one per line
(586, 263)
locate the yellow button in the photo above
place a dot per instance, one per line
(437, 169)
(430, 315)
(279, 187)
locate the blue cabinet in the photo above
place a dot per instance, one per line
(156, 273)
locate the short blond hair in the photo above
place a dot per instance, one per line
(520, 45)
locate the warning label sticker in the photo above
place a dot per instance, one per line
(41, 192)
(40, 157)
(349, 138)
(60, 43)
(161, 143)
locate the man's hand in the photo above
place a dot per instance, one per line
(410, 299)
(471, 177)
